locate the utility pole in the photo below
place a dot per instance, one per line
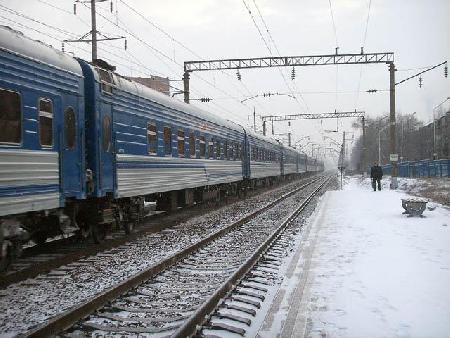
(364, 149)
(94, 31)
(254, 119)
(186, 87)
(393, 153)
(264, 128)
(289, 139)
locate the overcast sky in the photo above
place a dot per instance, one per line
(168, 33)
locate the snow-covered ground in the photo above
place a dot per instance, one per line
(374, 272)
(434, 188)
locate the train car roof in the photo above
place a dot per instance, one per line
(135, 88)
(16, 43)
(262, 137)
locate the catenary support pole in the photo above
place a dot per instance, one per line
(186, 86)
(94, 31)
(393, 149)
(364, 149)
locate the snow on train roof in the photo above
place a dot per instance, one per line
(15, 42)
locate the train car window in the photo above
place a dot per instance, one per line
(211, 148)
(202, 146)
(106, 80)
(167, 140)
(10, 117)
(192, 145)
(225, 150)
(236, 151)
(218, 150)
(152, 139)
(45, 122)
(69, 128)
(106, 131)
(239, 151)
(180, 139)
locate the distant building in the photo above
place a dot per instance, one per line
(161, 84)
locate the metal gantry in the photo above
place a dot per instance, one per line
(289, 61)
(307, 116)
(334, 115)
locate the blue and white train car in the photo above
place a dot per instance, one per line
(42, 132)
(290, 161)
(154, 144)
(265, 157)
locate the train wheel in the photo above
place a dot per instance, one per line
(83, 233)
(128, 227)
(5, 256)
(98, 232)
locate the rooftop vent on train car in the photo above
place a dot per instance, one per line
(104, 71)
(104, 65)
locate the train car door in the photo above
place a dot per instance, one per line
(106, 152)
(72, 150)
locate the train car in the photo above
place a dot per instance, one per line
(290, 161)
(42, 138)
(302, 167)
(155, 147)
(264, 158)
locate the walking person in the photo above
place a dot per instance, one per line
(376, 173)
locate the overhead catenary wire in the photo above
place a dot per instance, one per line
(174, 40)
(333, 22)
(279, 54)
(363, 44)
(66, 33)
(161, 54)
(267, 45)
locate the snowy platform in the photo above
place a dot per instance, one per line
(367, 270)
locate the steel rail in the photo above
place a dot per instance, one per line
(71, 316)
(198, 318)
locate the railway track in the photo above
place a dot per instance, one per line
(42, 259)
(173, 296)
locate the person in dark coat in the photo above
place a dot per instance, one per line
(376, 173)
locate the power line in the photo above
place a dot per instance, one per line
(59, 39)
(126, 30)
(334, 24)
(362, 46)
(279, 54)
(267, 46)
(257, 27)
(172, 38)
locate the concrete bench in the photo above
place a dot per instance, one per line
(414, 206)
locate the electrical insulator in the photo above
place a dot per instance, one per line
(75, 9)
(293, 73)
(62, 47)
(238, 75)
(420, 82)
(126, 44)
(446, 70)
(111, 6)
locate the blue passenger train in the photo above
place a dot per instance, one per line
(83, 148)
